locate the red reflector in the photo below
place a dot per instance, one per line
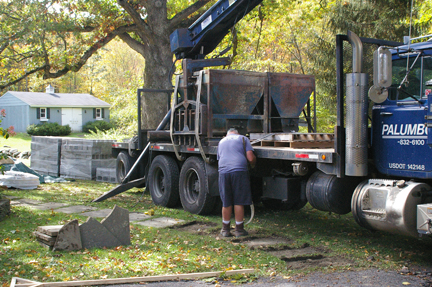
(191, 149)
(156, 147)
(115, 145)
(302, 155)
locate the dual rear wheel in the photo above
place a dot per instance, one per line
(168, 187)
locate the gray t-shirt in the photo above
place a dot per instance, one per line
(231, 153)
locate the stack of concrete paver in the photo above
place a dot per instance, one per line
(45, 155)
(81, 157)
(70, 157)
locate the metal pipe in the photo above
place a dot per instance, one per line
(356, 113)
(357, 46)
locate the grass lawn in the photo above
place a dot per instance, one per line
(170, 250)
(173, 250)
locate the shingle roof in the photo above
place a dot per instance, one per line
(59, 100)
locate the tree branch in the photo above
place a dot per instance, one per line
(179, 18)
(143, 30)
(96, 46)
(132, 43)
(22, 77)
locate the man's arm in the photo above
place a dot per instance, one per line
(251, 158)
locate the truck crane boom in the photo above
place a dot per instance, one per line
(202, 37)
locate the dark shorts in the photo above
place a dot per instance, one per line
(234, 188)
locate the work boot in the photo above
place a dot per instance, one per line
(239, 230)
(226, 230)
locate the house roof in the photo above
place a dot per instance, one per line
(59, 100)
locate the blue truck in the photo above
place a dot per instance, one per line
(376, 164)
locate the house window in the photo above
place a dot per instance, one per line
(43, 114)
(98, 113)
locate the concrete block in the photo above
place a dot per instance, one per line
(117, 222)
(106, 175)
(94, 234)
(69, 237)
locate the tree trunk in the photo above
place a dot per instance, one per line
(158, 62)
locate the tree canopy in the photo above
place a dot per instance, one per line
(57, 39)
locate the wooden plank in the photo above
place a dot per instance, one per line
(130, 280)
(267, 143)
(51, 230)
(299, 144)
(45, 238)
(282, 144)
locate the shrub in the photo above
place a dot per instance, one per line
(97, 125)
(49, 129)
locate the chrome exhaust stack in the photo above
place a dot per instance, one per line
(356, 113)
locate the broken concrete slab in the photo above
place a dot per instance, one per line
(138, 216)
(11, 197)
(51, 230)
(25, 202)
(117, 222)
(160, 222)
(97, 213)
(94, 234)
(49, 205)
(69, 237)
(5, 208)
(265, 242)
(76, 209)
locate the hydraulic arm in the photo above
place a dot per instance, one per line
(202, 37)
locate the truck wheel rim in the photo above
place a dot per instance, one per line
(122, 170)
(159, 183)
(192, 186)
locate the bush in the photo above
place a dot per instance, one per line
(97, 125)
(49, 129)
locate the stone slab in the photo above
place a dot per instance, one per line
(51, 230)
(25, 202)
(69, 237)
(117, 222)
(265, 242)
(49, 205)
(76, 209)
(94, 234)
(98, 213)
(160, 222)
(138, 216)
(11, 197)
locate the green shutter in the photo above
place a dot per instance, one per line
(38, 113)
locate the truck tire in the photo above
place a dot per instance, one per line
(194, 193)
(163, 178)
(124, 163)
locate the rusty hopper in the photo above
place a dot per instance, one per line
(250, 101)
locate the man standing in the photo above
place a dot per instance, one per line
(234, 153)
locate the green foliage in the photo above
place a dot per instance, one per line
(49, 129)
(111, 134)
(93, 126)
